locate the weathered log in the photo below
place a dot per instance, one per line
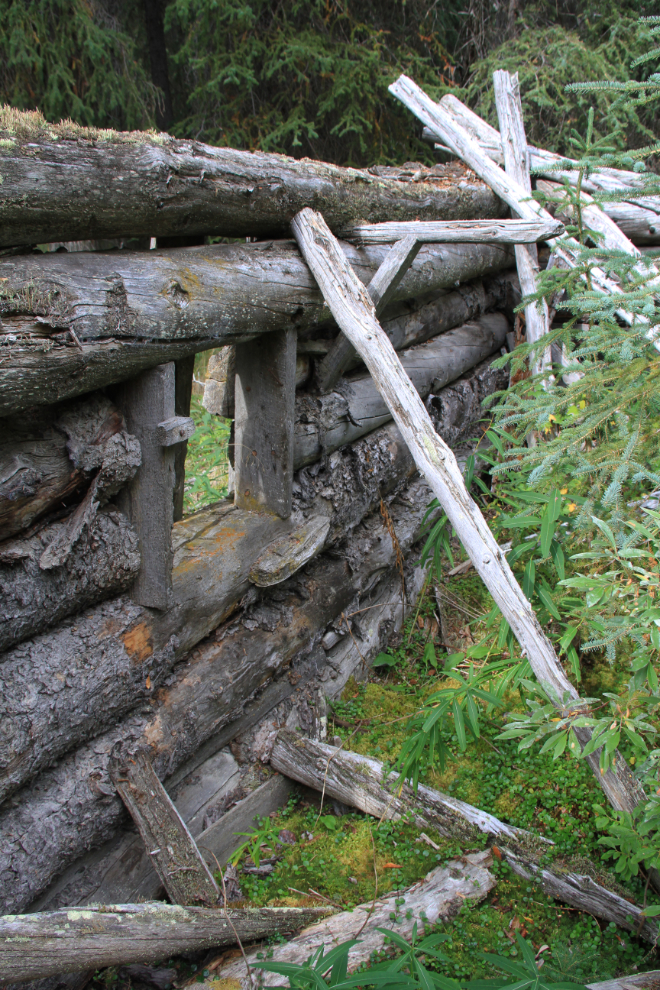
(49, 455)
(363, 783)
(90, 671)
(33, 946)
(81, 184)
(514, 149)
(439, 897)
(633, 981)
(357, 407)
(354, 313)
(176, 858)
(458, 231)
(72, 807)
(103, 562)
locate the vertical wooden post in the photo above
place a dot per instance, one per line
(183, 379)
(263, 424)
(148, 405)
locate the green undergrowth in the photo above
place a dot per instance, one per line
(207, 463)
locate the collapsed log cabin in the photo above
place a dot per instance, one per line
(128, 630)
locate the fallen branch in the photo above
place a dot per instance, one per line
(459, 232)
(34, 946)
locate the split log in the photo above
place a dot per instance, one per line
(458, 232)
(104, 562)
(49, 455)
(72, 807)
(363, 783)
(633, 981)
(357, 407)
(438, 897)
(172, 849)
(34, 946)
(157, 186)
(353, 310)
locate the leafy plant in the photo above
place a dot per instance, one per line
(527, 974)
(265, 835)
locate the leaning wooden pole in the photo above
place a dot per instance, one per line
(354, 312)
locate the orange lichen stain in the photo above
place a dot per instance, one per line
(154, 732)
(111, 628)
(138, 642)
(223, 541)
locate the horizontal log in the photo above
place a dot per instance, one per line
(34, 946)
(440, 896)
(458, 231)
(47, 456)
(103, 562)
(72, 807)
(357, 407)
(81, 184)
(364, 783)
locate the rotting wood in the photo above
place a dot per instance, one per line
(636, 214)
(323, 424)
(103, 562)
(148, 403)
(459, 231)
(354, 313)
(265, 399)
(220, 382)
(80, 188)
(436, 898)
(363, 783)
(210, 295)
(514, 148)
(176, 858)
(48, 456)
(70, 808)
(633, 981)
(34, 946)
(130, 650)
(288, 554)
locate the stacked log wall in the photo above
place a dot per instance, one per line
(89, 675)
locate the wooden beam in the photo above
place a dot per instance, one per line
(263, 426)
(148, 500)
(183, 380)
(514, 146)
(175, 856)
(459, 231)
(381, 289)
(34, 946)
(354, 312)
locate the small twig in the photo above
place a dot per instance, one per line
(315, 893)
(231, 923)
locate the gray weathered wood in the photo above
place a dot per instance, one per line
(381, 289)
(363, 783)
(219, 387)
(147, 401)
(176, 858)
(633, 981)
(289, 553)
(459, 231)
(183, 380)
(440, 896)
(130, 649)
(209, 296)
(176, 429)
(49, 455)
(33, 946)
(103, 562)
(80, 187)
(329, 422)
(263, 426)
(514, 147)
(71, 808)
(353, 310)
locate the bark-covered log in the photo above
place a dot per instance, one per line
(103, 562)
(363, 783)
(62, 183)
(439, 897)
(72, 807)
(49, 455)
(91, 670)
(33, 946)
(323, 424)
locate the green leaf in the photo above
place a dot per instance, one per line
(385, 660)
(605, 530)
(459, 724)
(529, 579)
(546, 598)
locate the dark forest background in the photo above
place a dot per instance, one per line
(309, 77)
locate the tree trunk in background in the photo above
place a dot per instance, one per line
(154, 22)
